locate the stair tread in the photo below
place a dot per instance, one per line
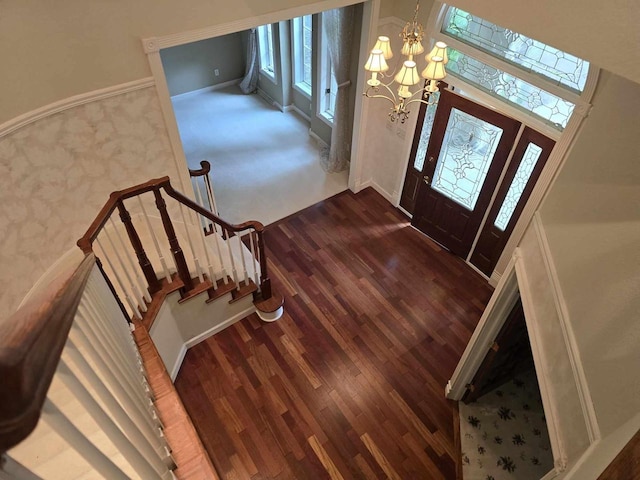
(223, 289)
(243, 290)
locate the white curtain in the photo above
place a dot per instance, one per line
(338, 30)
(249, 83)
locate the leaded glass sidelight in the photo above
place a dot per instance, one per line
(468, 147)
(425, 135)
(519, 183)
(528, 54)
(545, 105)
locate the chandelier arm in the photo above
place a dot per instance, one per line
(419, 100)
(366, 94)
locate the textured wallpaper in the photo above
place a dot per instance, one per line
(56, 173)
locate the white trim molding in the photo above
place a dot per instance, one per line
(579, 376)
(210, 88)
(25, 119)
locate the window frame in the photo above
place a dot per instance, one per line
(298, 47)
(326, 81)
(581, 101)
(266, 51)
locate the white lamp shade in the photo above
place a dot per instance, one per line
(376, 62)
(439, 50)
(384, 45)
(408, 74)
(435, 69)
(414, 48)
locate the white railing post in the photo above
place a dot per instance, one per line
(128, 450)
(152, 233)
(254, 257)
(123, 288)
(143, 289)
(81, 444)
(193, 252)
(244, 262)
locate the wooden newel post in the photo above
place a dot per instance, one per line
(178, 255)
(147, 269)
(265, 281)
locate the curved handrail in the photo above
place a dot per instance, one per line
(115, 201)
(205, 168)
(31, 342)
(163, 182)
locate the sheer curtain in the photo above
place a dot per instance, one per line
(249, 83)
(338, 30)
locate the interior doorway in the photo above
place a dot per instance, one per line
(470, 174)
(503, 428)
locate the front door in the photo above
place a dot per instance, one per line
(467, 151)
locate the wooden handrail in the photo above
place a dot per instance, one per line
(31, 342)
(205, 168)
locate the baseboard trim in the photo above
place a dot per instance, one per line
(218, 328)
(389, 197)
(25, 119)
(300, 112)
(209, 88)
(320, 141)
(176, 366)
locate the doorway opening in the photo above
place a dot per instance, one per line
(503, 430)
(265, 144)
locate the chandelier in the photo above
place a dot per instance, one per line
(408, 75)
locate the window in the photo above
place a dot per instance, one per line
(265, 47)
(529, 75)
(302, 49)
(328, 84)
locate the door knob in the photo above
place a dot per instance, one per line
(431, 159)
(426, 179)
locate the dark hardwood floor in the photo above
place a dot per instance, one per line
(350, 382)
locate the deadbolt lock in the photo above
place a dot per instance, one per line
(426, 179)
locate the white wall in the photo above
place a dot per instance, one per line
(592, 220)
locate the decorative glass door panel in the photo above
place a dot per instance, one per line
(529, 158)
(471, 144)
(468, 147)
(518, 184)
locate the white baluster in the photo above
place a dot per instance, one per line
(193, 252)
(81, 444)
(167, 275)
(10, 469)
(132, 305)
(147, 438)
(254, 257)
(244, 262)
(199, 200)
(90, 320)
(231, 259)
(127, 393)
(212, 274)
(128, 450)
(212, 199)
(139, 284)
(216, 240)
(111, 353)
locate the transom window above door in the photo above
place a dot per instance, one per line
(535, 78)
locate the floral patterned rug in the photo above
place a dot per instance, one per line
(504, 434)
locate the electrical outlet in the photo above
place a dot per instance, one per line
(216, 72)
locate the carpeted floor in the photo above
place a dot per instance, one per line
(264, 163)
(504, 434)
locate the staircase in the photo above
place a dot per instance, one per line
(101, 387)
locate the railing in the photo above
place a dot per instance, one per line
(67, 357)
(223, 258)
(201, 181)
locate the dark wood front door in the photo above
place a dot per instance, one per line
(467, 151)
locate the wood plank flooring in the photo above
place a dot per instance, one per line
(349, 384)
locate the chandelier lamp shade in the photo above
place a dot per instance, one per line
(407, 76)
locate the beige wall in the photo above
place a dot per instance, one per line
(592, 219)
(51, 51)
